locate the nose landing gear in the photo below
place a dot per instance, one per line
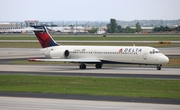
(158, 67)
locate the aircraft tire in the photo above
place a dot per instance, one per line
(158, 67)
(82, 66)
(98, 65)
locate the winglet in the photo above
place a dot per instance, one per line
(44, 37)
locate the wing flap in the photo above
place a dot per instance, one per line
(65, 60)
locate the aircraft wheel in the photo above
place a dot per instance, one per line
(82, 66)
(158, 67)
(98, 65)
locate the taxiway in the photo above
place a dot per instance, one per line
(118, 72)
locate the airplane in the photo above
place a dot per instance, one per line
(98, 55)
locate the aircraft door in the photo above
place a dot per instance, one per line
(145, 56)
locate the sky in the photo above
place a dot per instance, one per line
(89, 10)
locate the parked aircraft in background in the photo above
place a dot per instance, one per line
(97, 55)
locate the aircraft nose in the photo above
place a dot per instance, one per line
(165, 59)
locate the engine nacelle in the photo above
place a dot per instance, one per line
(61, 53)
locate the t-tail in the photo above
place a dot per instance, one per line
(44, 37)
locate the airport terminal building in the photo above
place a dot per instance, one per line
(7, 26)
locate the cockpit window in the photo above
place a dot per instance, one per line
(157, 52)
(154, 51)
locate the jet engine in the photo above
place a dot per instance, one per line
(57, 54)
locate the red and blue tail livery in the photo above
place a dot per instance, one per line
(44, 37)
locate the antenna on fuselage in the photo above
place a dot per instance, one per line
(134, 45)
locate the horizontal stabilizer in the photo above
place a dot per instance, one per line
(27, 29)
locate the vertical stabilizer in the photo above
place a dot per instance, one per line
(44, 37)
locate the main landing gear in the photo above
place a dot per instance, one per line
(158, 67)
(98, 65)
(83, 66)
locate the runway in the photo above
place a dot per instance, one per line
(19, 53)
(19, 103)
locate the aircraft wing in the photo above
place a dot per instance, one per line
(66, 60)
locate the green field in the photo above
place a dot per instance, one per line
(91, 86)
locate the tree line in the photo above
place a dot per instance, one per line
(113, 27)
(166, 29)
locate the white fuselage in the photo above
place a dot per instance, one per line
(109, 54)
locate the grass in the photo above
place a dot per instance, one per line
(132, 37)
(91, 86)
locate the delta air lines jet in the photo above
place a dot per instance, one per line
(97, 55)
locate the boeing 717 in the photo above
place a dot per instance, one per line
(98, 55)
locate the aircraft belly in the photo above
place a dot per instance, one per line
(123, 59)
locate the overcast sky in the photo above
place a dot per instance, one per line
(89, 10)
